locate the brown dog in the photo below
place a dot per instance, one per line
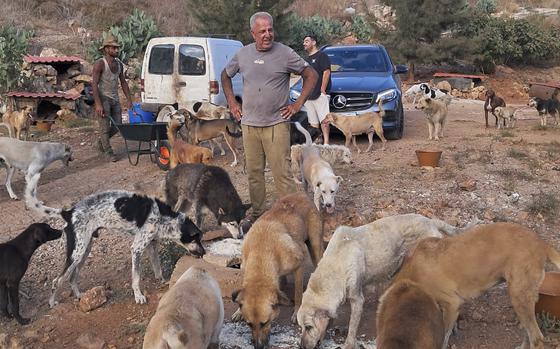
(274, 247)
(351, 126)
(491, 103)
(488, 254)
(183, 152)
(19, 121)
(409, 318)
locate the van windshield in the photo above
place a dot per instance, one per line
(357, 60)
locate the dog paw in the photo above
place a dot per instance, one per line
(52, 303)
(233, 164)
(237, 316)
(140, 299)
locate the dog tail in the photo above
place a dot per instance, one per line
(234, 135)
(308, 140)
(8, 127)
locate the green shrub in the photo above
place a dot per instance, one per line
(13, 45)
(361, 28)
(133, 36)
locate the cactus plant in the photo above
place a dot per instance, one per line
(13, 45)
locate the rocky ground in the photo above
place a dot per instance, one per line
(485, 174)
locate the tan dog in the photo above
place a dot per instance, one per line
(368, 123)
(507, 114)
(66, 114)
(209, 111)
(199, 130)
(331, 153)
(488, 255)
(276, 246)
(409, 318)
(183, 152)
(19, 121)
(189, 316)
(436, 113)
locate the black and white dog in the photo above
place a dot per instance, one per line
(546, 107)
(146, 219)
(205, 186)
(424, 90)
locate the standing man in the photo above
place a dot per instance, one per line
(265, 66)
(107, 71)
(317, 104)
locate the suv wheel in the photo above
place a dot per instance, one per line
(397, 133)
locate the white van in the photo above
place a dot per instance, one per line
(180, 71)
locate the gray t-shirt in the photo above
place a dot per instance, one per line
(266, 81)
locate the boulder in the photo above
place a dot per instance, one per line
(444, 85)
(93, 299)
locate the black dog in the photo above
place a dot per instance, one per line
(297, 137)
(14, 260)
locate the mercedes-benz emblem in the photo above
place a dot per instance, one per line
(339, 101)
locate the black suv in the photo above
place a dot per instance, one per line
(359, 75)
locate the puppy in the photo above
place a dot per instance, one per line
(409, 318)
(507, 114)
(357, 259)
(66, 114)
(31, 158)
(190, 315)
(368, 123)
(329, 152)
(146, 219)
(318, 173)
(14, 260)
(436, 113)
(491, 103)
(210, 111)
(19, 121)
(546, 107)
(488, 254)
(183, 152)
(276, 246)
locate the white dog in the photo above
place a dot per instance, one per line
(190, 315)
(507, 114)
(356, 258)
(31, 158)
(436, 114)
(424, 90)
(329, 152)
(318, 173)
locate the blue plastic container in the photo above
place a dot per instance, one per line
(141, 115)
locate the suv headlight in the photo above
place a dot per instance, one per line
(387, 95)
(294, 95)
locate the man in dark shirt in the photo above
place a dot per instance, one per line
(317, 104)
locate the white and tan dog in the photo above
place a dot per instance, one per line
(210, 111)
(436, 113)
(357, 258)
(190, 315)
(507, 114)
(318, 172)
(332, 153)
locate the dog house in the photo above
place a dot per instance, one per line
(50, 84)
(544, 90)
(461, 82)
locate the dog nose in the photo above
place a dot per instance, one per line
(328, 205)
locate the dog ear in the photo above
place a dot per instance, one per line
(237, 296)
(221, 211)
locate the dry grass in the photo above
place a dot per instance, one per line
(544, 204)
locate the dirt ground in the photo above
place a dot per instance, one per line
(485, 174)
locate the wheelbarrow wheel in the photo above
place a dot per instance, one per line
(163, 153)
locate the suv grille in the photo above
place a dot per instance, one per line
(346, 101)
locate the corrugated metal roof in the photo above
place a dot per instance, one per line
(63, 59)
(466, 76)
(547, 84)
(24, 94)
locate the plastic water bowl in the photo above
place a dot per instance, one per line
(428, 157)
(549, 295)
(137, 115)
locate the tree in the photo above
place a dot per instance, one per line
(232, 16)
(419, 26)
